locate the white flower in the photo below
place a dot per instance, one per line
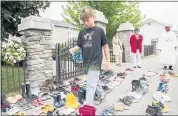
(11, 57)
(12, 50)
(16, 54)
(16, 45)
(3, 45)
(10, 43)
(14, 61)
(5, 58)
(19, 58)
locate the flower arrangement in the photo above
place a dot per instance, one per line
(12, 50)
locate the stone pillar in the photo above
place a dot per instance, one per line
(101, 21)
(37, 39)
(124, 31)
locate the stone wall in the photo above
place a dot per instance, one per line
(124, 32)
(38, 44)
(101, 21)
(125, 37)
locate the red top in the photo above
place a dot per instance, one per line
(133, 43)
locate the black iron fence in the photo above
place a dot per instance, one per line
(12, 76)
(65, 67)
(112, 57)
(149, 50)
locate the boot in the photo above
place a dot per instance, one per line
(24, 95)
(3, 98)
(170, 68)
(55, 101)
(60, 101)
(165, 67)
(59, 97)
(81, 95)
(28, 92)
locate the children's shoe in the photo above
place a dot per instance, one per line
(152, 110)
(135, 85)
(71, 101)
(165, 109)
(81, 96)
(3, 98)
(166, 98)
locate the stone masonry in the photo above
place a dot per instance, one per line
(124, 31)
(101, 21)
(37, 39)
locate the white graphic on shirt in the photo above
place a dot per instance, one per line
(88, 40)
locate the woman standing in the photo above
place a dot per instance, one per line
(136, 47)
(117, 49)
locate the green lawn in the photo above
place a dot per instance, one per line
(10, 79)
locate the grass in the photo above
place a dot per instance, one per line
(11, 78)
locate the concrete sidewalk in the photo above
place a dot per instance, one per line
(139, 108)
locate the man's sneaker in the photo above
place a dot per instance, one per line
(166, 97)
(158, 104)
(127, 100)
(144, 86)
(139, 67)
(165, 109)
(135, 85)
(106, 89)
(154, 111)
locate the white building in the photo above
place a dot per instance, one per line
(152, 31)
(63, 31)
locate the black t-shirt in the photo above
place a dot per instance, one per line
(91, 41)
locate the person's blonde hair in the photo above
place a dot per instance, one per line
(86, 13)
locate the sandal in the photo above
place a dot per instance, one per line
(44, 89)
(98, 100)
(20, 114)
(11, 100)
(45, 96)
(47, 108)
(12, 110)
(37, 111)
(118, 107)
(35, 103)
(176, 75)
(171, 73)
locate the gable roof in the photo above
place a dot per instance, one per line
(152, 21)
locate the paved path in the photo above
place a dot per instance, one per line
(139, 108)
(149, 64)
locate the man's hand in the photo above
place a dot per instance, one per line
(71, 51)
(107, 65)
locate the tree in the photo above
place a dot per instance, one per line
(115, 12)
(13, 11)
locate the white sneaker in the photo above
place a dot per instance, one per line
(135, 95)
(158, 97)
(166, 98)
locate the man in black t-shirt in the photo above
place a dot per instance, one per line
(91, 40)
